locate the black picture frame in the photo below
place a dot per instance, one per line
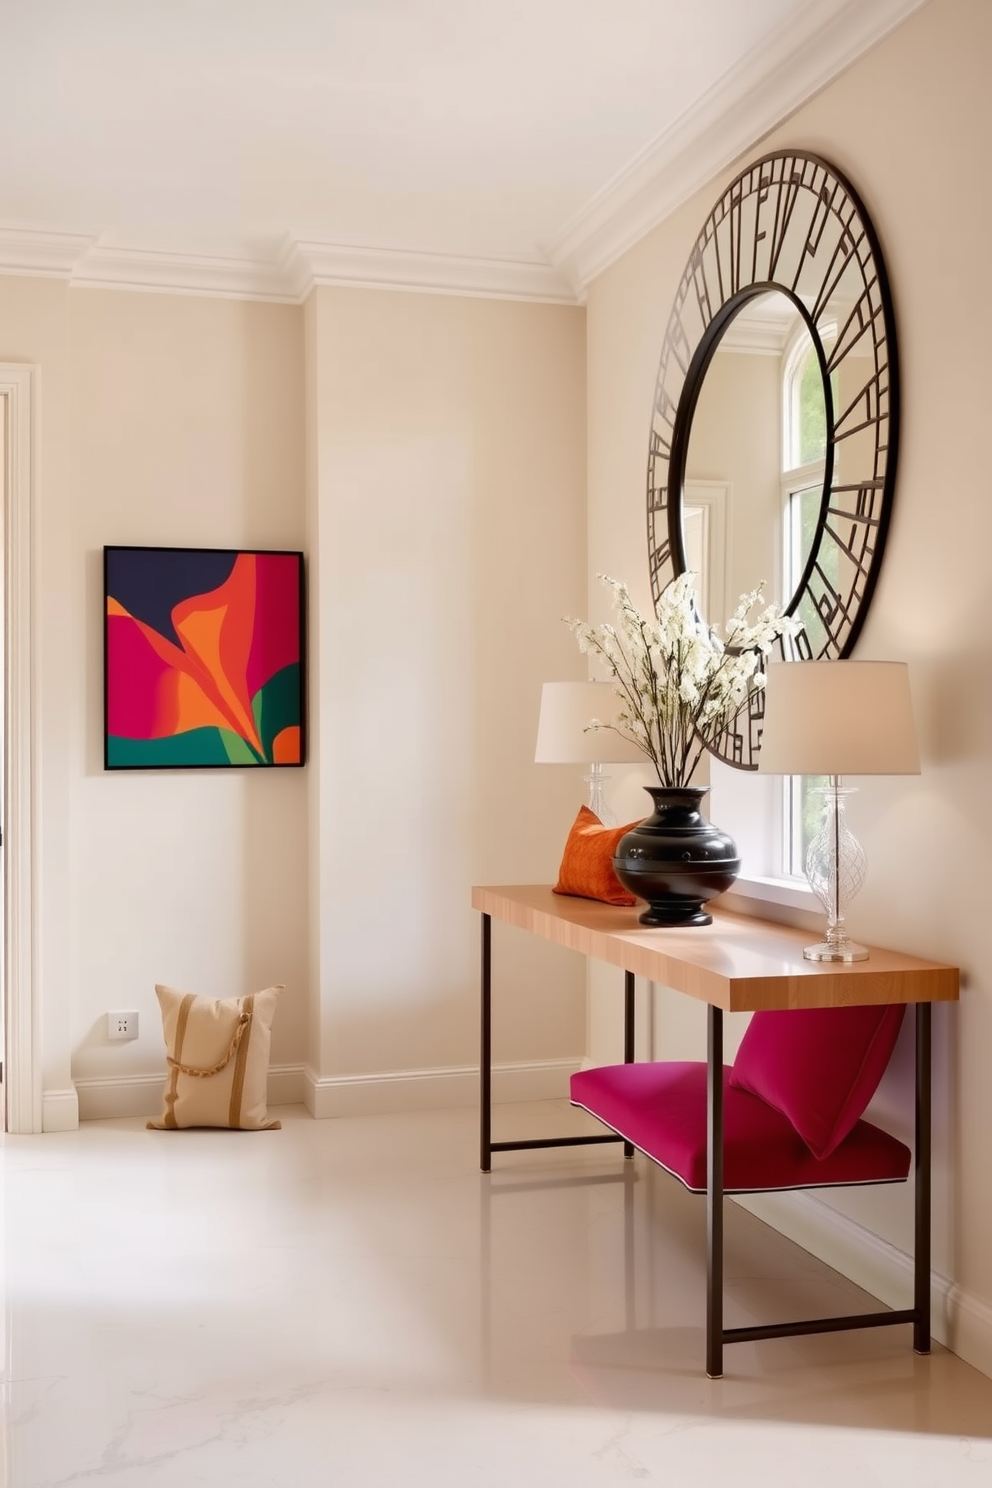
(204, 658)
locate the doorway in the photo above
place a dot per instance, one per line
(3, 793)
(21, 1013)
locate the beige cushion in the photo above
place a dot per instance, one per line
(218, 1056)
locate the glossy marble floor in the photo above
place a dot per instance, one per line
(350, 1303)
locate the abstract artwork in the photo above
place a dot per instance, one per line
(203, 658)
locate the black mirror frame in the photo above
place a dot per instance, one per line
(786, 202)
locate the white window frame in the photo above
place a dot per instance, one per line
(795, 479)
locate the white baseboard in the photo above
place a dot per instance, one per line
(961, 1321)
(120, 1095)
(59, 1111)
(141, 1095)
(287, 1084)
(382, 1093)
(433, 1089)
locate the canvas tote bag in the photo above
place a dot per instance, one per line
(217, 1051)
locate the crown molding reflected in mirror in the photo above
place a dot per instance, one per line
(789, 225)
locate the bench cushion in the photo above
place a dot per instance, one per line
(819, 1066)
(661, 1108)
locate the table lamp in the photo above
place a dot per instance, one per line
(564, 738)
(837, 718)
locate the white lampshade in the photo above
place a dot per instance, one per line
(562, 737)
(838, 718)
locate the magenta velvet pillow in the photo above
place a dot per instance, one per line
(819, 1066)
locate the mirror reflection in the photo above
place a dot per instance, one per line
(756, 461)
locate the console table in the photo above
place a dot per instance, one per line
(738, 964)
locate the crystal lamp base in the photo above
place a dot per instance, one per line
(824, 951)
(835, 866)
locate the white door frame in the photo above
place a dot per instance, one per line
(714, 499)
(22, 1055)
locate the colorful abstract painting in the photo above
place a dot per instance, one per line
(204, 658)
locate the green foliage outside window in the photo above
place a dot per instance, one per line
(811, 807)
(812, 412)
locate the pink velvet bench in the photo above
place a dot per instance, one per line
(661, 1109)
(788, 1115)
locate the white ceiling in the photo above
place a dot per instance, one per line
(284, 139)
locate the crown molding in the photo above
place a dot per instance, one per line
(754, 337)
(110, 266)
(41, 252)
(763, 89)
(317, 263)
(91, 261)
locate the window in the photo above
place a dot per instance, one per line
(804, 450)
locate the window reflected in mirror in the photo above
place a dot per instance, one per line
(735, 446)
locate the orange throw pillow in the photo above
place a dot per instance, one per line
(587, 865)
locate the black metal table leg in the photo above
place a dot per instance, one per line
(714, 1192)
(629, 1238)
(921, 1273)
(486, 1144)
(486, 1050)
(628, 1035)
(919, 1313)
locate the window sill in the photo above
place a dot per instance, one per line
(794, 892)
(790, 901)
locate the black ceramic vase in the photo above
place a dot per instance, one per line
(676, 860)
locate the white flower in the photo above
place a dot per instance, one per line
(680, 685)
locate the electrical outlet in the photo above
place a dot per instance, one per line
(122, 1025)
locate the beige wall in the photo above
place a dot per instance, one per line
(446, 519)
(910, 126)
(429, 454)
(186, 430)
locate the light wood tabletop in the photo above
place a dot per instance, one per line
(739, 963)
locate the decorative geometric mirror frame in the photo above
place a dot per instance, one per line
(790, 223)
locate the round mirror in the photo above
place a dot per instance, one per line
(774, 433)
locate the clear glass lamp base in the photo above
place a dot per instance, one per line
(596, 781)
(836, 867)
(824, 951)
